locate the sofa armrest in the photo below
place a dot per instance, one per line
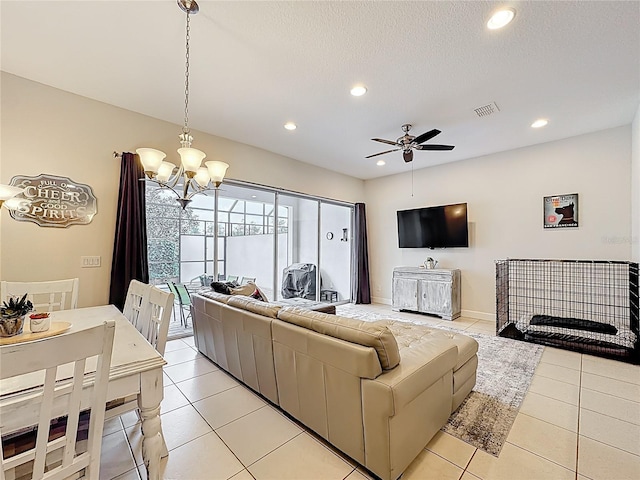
(403, 408)
(419, 368)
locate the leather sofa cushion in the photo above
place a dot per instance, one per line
(368, 334)
(254, 306)
(409, 335)
(209, 293)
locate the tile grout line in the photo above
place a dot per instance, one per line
(578, 425)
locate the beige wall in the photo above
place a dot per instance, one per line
(635, 187)
(504, 194)
(45, 130)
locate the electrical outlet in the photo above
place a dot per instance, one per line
(90, 262)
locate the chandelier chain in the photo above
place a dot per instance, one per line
(185, 128)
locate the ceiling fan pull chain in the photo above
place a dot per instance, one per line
(412, 179)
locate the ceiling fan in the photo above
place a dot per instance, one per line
(407, 143)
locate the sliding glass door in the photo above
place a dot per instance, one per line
(292, 246)
(298, 269)
(335, 252)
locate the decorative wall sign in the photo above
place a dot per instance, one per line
(561, 211)
(52, 201)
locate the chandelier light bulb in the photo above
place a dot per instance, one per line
(202, 177)
(164, 172)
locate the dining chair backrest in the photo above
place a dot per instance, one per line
(153, 322)
(72, 393)
(133, 303)
(232, 278)
(45, 296)
(149, 310)
(246, 280)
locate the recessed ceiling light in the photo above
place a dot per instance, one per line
(381, 163)
(290, 126)
(358, 90)
(541, 122)
(254, 196)
(501, 18)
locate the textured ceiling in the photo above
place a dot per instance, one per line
(257, 65)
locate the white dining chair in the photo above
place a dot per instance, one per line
(149, 310)
(45, 296)
(64, 356)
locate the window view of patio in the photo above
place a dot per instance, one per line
(311, 261)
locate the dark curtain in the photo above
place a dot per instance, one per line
(130, 244)
(360, 291)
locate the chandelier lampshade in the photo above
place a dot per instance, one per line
(7, 192)
(151, 160)
(164, 172)
(202, 177)
(191, 160)
(217, 170)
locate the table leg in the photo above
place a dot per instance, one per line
(151, 394)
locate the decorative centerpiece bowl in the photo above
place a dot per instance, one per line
(12, 315)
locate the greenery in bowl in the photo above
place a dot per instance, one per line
(12, 315)
(16, 308)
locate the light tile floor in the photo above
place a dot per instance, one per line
(580, 420)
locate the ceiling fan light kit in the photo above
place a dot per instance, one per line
(408, 143)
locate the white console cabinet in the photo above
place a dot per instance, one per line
(433, 291)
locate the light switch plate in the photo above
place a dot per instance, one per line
(90, 262)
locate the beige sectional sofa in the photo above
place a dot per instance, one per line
(378, 391)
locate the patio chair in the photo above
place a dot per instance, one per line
(246, 280)
(185, 302)
(55, 399)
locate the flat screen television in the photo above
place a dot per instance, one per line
(434, 227)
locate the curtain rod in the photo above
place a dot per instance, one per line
(117, 154)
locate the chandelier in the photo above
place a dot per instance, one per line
(194, 177)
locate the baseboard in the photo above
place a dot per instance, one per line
(384, 301)
(491, 317)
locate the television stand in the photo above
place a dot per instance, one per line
(433, 291)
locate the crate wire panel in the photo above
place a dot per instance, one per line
(605, 292)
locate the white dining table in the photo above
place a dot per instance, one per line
(136, 368)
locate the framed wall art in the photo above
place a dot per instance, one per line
(52, 201)
(561, 211)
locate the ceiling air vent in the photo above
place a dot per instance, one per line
(487, 110)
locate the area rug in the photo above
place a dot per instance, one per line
(505, 369)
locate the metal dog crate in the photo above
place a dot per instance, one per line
(588, 306)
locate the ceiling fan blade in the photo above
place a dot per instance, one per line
(407, 155)
(426, 136)
(434, 147)
(384, 141)
(382, 153)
